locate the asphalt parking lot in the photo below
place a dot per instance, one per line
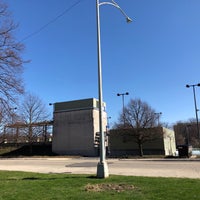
(188, 168)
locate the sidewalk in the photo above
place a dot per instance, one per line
(182, 168)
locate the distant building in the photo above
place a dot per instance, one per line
(122, 144)
(76, 127)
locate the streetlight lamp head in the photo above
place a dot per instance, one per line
(128, 20)
(187, 86)
(198, 84)
(127, 93)
(118, 94)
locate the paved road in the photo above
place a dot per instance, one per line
(189, 168)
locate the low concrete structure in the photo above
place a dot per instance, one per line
(122, 143)
(76, 127)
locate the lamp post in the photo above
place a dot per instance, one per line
(123, 94)
(195, 105)
(52, 104)
(187, 141)
(13, 120)
(13, 114)
(158, 116)
(102, 167)
(108, 123)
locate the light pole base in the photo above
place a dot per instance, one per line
(102, 170)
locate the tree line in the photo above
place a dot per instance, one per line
(30, 109)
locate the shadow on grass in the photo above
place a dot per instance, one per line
(32, 178)
(92, 177)
(41, 149)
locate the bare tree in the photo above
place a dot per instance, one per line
(33, 110)
(186, 133)
(140, 122)
(11, 62)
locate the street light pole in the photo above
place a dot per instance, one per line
(102, 167)
(108, 123)
(52, 104)
(12, 114)
(13, 120)
(195, 105)
(158, 117)
(122, 94)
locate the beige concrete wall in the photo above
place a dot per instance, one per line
(169, 142)
(121, 143)
(74, 132)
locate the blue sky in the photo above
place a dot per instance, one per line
(152, 58)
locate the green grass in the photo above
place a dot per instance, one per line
(38, 149)
(34, 186)
(7, 150)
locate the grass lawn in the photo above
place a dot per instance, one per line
(23, 186)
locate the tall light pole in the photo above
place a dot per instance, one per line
(13, 120)
(52, 104)
(195, 105)
(108, 123)
(13, 114)
(123, 94)
(102, 167)
(187, 134)
(158, 114)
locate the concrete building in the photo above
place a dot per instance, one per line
(122, 143)
(76, 127)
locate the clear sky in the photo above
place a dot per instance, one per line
(152, 58)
